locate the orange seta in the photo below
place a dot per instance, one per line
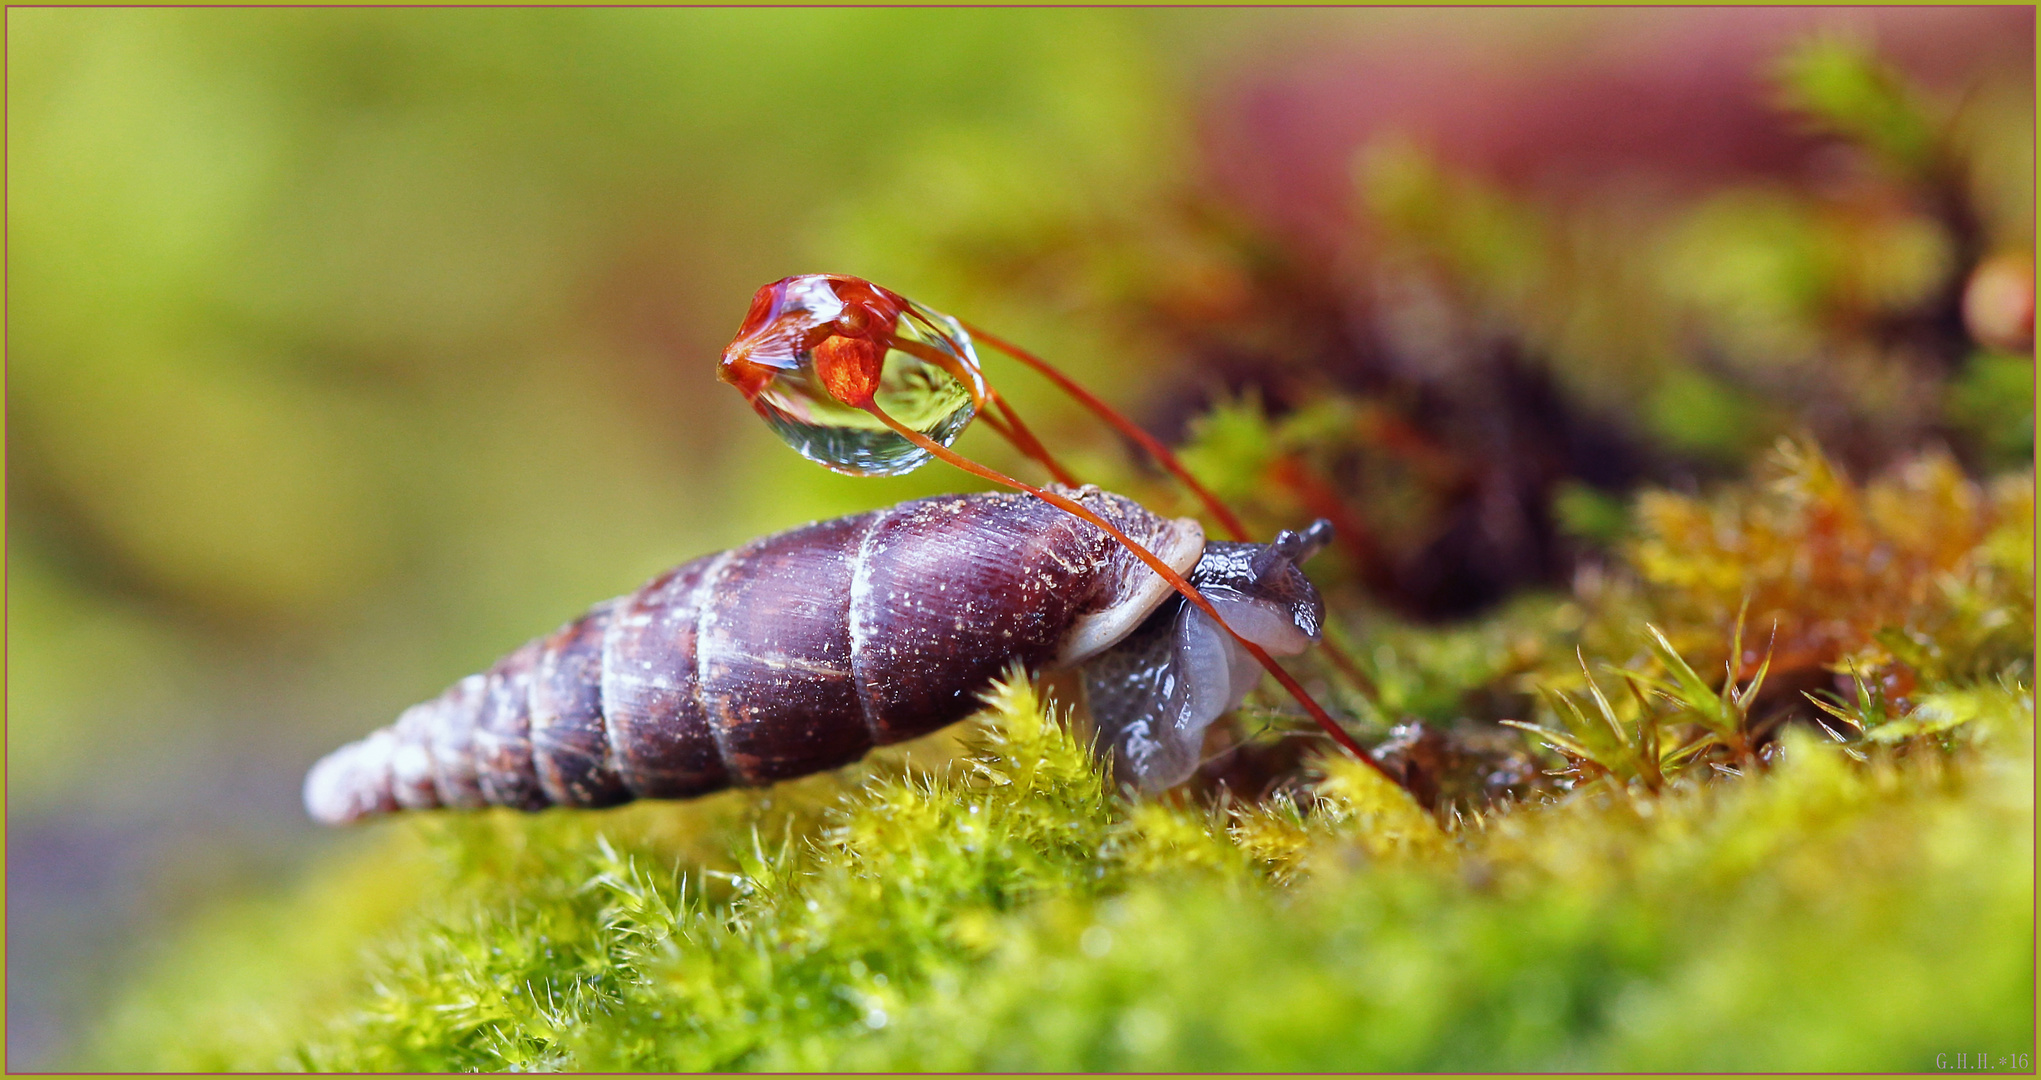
(1120, 423)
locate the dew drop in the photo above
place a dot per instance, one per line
(813, 344)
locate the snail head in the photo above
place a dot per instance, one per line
(1153, 695)
(1261, 591)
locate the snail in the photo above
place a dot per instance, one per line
(801, 651)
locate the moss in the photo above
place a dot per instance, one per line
(1855, 899)
(1773, 925)
(1823, 562)
(1010, 914)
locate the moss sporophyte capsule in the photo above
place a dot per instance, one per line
(815, 349)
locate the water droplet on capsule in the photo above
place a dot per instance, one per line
(814, 347)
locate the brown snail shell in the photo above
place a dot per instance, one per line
(792, 654)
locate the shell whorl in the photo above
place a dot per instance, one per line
(792, 654)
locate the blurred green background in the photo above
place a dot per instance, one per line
(348, 349)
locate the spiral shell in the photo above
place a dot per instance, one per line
(790, 655)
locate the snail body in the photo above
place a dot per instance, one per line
(801, 651)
